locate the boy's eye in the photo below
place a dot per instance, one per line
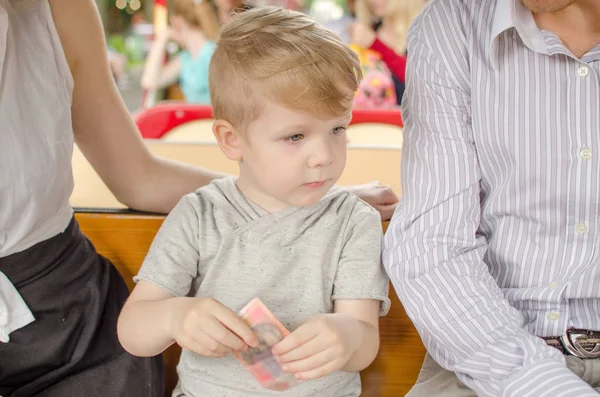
(338, 130)
(294, 138)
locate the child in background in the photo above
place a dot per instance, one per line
(282, 88)
(193, 26)
(382, 26)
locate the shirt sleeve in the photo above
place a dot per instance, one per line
(172, 261)
(432, 250)
(360, 273)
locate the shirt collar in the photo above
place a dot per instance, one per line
(513, 14)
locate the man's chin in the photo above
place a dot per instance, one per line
(547, 6)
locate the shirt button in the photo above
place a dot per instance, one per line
(585, 153)
(581, 228)
(553, 285)
(553, 316)
(583, 71)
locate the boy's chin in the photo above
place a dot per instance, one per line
(309, 200)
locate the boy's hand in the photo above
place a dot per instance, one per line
(318, 347)
(209, 328)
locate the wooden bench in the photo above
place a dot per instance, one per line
(124, 237)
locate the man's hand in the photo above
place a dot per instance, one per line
(381, 197)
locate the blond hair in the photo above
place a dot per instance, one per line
(200, 15)
(284, 56)
(400, 13)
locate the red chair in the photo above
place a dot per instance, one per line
(155, 122)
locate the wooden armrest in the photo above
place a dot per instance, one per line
(124, 237)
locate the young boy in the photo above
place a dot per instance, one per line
(282, 89)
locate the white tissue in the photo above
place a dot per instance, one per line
(14, 313)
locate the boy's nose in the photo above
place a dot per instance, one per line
(320, 157)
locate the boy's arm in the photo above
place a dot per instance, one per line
(153, 320)
(159, 313)
(348, 338)
(360, 290)
(360, 318)
(144, 326)
(171, 265)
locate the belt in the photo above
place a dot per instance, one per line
(580, 343)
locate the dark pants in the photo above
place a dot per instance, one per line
(71, 349)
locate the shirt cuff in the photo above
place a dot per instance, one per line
(547, 379)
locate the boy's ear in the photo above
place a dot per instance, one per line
(229, 139)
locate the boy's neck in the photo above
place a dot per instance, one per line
(267, 203)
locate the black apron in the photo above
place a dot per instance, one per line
(71, 349)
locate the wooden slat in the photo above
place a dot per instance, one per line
(124, 238)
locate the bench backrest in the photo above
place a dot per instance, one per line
(364, 164)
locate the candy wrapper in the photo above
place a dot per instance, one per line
(259, 360)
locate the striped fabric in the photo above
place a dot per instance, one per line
(496, 238)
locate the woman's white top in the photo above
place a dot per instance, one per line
(36, 141)
(36, 135)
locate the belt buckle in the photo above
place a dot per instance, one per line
(572, 341)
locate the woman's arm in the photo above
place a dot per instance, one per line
(103, 128)
(156, 76)
(107, 135)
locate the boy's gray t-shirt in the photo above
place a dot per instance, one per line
(218, 244)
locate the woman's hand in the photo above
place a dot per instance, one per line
(381, 197)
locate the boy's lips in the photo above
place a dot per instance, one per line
(315, 184)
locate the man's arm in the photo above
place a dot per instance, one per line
(432, 251)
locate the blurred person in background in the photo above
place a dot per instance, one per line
(118, 64)
(194, 27)
(382, 26)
